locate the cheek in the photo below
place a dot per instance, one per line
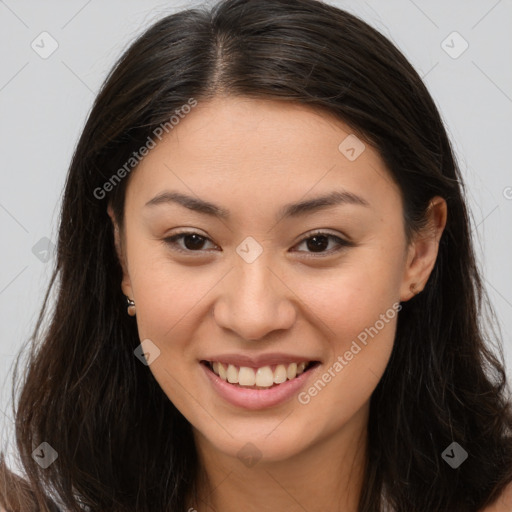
(356, 307)
(359, 316)
(170, 302)
(360, 329)
(168, 295)
(352, 297)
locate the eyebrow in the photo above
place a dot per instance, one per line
(300, 208)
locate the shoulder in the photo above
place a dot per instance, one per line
(503, 503)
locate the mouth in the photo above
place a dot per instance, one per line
(262, 378)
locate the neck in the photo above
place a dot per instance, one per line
(327, 475)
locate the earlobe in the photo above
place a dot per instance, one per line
(423, 250)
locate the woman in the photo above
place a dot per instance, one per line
(268, 296)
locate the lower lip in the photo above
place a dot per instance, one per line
(254, 399)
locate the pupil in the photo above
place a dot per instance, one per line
(316, 246)
(197, 242)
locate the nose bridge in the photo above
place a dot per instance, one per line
(254, 275)
(255, 284)
(254, 301)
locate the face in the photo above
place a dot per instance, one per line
(272, 317)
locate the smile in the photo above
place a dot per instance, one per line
(263, 377)
(262, 383)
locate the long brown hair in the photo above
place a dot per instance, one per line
(85, 393)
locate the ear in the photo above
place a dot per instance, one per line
(423, 249)
(121, 255)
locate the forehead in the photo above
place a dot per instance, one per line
(236, 148)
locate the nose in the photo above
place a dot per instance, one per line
(254, 301)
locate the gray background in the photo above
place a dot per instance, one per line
(44, 103)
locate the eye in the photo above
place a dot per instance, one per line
(316, 242)
(193, 242)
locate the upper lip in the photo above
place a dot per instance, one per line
(259, 361)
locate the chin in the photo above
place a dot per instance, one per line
(267, 441)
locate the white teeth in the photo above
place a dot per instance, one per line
(262, 377)
(232, 374)
(280, 374)
(247, 377)
(291, 372)
(222, 372)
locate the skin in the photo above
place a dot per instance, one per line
(503, 503)
(252, 157)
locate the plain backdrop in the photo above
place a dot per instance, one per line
(55, 55)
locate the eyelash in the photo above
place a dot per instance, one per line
(342, 244)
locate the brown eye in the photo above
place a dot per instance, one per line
(318, 243)
(192, 242)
